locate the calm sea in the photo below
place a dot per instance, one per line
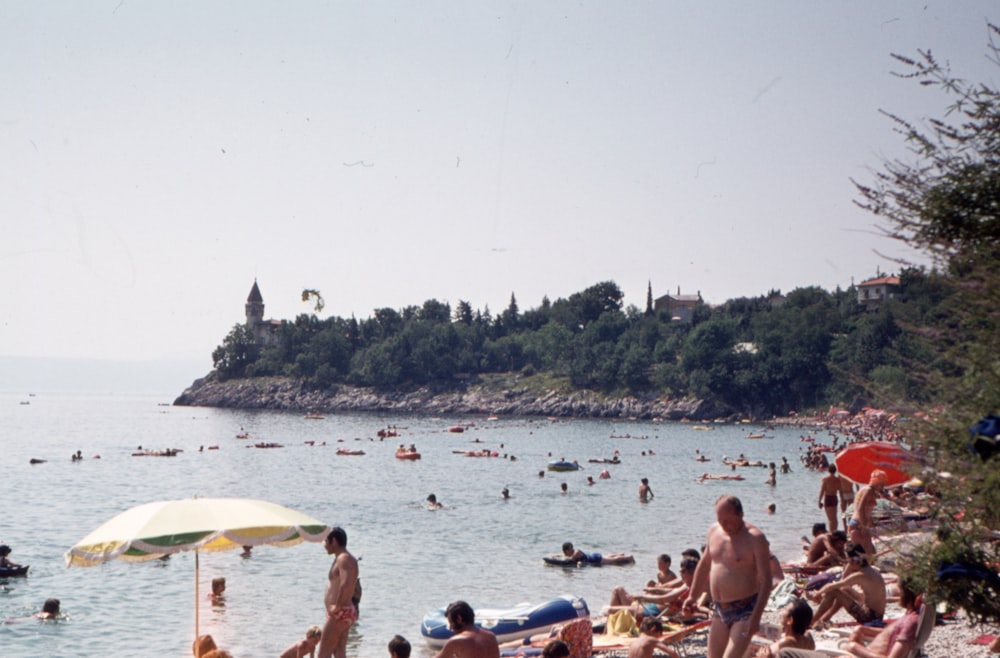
(479, 548)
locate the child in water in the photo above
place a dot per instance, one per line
(304, 647)
(399, 647)
(218, 590)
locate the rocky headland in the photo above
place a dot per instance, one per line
(507, 396)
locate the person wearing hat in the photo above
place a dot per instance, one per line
(859, 528)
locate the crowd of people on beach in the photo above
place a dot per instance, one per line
(728, 585)
(725, 587)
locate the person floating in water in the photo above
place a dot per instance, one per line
(432, 502)
(218, 594)
(577, 555)
(50, 609)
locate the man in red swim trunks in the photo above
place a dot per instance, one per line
(341, 612)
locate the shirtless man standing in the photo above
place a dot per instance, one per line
(341, 612)
(736, 572)
(859, 528)
(469, 641)
(829, 489)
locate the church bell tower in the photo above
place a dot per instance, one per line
(254, 308)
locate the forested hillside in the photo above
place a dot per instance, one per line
(757, 356)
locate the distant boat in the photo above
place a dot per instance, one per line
(756, 436)
(14, 572)
(702, 427)
(315, 416)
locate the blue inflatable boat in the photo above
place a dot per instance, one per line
(514, 623)
(563, 466)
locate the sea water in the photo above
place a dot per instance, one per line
(479, 548)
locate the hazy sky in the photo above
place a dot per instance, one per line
(156, 157)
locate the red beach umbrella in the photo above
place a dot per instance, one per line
(857, 461)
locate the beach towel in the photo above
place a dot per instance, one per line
(579, 637)
(820, 579)
(621, 622)
(782, 595)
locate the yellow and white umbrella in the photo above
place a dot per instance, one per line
(152, 530)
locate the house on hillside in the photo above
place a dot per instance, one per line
(680, 307)
(265, 332)
(873, 292)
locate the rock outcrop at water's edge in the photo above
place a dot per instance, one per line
(278, 393)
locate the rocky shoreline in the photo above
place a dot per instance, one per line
(286, 394)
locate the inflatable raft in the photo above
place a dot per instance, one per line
(563, 466)
(514, 623)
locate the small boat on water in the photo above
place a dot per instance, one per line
(267, 444)
(14, 572)
(456, 429)
(515, 623)
(756, 436)
(315, 416)
(411, 455)
(707, 428)
(563, 466)
(348, 451)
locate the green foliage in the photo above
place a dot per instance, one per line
(237, 352)
(946, 203)
(758, 357)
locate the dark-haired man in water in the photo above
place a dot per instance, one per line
(735, 570)
(341, 611)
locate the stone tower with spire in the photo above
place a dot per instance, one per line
(254, 308)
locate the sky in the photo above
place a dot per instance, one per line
(158, 157)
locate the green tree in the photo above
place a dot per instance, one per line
(237, 352)
(945, 201)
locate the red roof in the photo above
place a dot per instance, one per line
(881, 281)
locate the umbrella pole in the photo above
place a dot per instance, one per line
(196, 596)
